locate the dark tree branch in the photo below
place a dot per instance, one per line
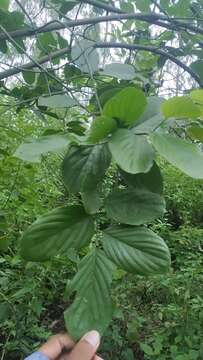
(31, 65)
(157, 19)
(59, 53)
(153, 50)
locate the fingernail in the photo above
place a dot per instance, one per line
(92, 337)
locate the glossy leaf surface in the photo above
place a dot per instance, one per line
(136, 249)
(56, 232)
(134, 207)
(92, 308)
(151, 181)
(84, 167)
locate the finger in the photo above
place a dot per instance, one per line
(55, 345)
(86, 348)
(97, 358)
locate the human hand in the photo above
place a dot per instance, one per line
(62, 347)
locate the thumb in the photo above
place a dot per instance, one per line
(86, 347)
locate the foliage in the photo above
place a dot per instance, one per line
(86, 152)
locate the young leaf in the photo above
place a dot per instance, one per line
(56, 232)
(136, 249)
(101, 127)
(131, 152)
(127, 105)
(180, 107)
(31, 150)
(180, 153)
(84, 167)
(196, 133)
(57, 101)
(121, 71)
(151, 181)
(92, 308)
(91, 201)
(85, 56)
(134, 207)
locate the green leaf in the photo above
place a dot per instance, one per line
(137, 250)
(47, 42)
(92, 308)
(91, 201)
(134, 206)
(101, 127)
(57, 101)
(120, 71)
(180, 153)
(180, 107)
(67, 6)
(149, 125)
(4, 4)
(56, 232)
(197, 96)
(127, 105)
(147, 349)
(71, 71)
(143, 5)
(29, 76)
(131, 152)
(197, 67)
(84, 167)
(32, 149)
(196, 133)
(85, 56)
(105, 93)
(151, 181)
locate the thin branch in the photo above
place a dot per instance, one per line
(151, 49)
(157, 19)
(30, 65)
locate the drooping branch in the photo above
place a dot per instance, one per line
(157, 19)
(153, 50)
(59, 53)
